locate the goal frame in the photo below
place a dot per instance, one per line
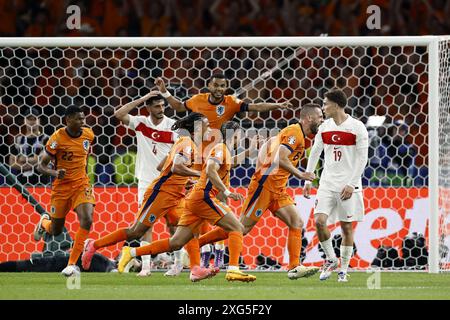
(431, 42)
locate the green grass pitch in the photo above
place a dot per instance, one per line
(267, 286)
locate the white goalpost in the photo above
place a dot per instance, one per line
(404, 80)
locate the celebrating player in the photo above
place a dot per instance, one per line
(203, 204)
(68, 148)
(218, 108)
(154, 139)
(277, 160)
(165, 193)
(345, 141)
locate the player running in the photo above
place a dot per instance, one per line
(203, 204)
(165, 193)
(345, 141)
(155, 138)
(68, 149)
(277, 160)
(218, 108)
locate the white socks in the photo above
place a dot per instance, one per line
(177, 256)
(346, 255)
(327, 247)
(146, 260)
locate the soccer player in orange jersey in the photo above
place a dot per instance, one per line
(277, 160)
(203, 204)
(68, 148)
(165, 193)
(215, 105)
(218, 108)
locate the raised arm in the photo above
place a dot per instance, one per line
(174, 103)
(123, 112)
(263, 106)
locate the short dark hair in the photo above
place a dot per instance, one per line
(71, 110)
(337, 96)
(308, 108)
(152, 100)
(229, 125)
(218, 75)
(188, 122)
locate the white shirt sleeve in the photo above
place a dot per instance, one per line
(316, 150)
(135, 121)
(362, 150)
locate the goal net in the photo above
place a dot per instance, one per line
(387, 81)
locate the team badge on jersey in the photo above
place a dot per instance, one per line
(53, 145)
(291, 140)
(152, 218)
(258, 213)
(86, 145)
(220, 110)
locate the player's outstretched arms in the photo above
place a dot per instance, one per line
(123, 112)
(263, 106)
(43, 167)
(174, 103)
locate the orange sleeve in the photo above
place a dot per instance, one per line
(185, 149)
(217, 154)
(236, 104)
(52, 145)
(191, 104)
(291, 139)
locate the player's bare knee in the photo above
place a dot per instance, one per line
(176, 244)
(320, 224)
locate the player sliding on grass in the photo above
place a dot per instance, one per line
(164, 194)
(203, 204)
(345, 142)
(277, 160)
(68, 148)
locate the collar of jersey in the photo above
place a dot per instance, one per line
(215, 104)
(67, 132)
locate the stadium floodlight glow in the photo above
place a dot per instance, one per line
(384, 76)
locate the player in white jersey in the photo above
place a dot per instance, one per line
(339, 198)
(155, 138)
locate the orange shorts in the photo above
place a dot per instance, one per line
(69, 196)
(259, 200)
(206, 210)
(174, 214)
(156, 204)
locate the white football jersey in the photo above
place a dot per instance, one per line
(153, 144)
(340, 144)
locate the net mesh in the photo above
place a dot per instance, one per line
(387, 90)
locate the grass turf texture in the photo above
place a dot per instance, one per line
(267, 286)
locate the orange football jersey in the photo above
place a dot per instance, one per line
(268, 173)
(204, 188)
(219, 113)
(167, 180)
(70, 153)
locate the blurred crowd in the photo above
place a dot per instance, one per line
(156, 18)
(383, 81)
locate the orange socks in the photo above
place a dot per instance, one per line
(193, 250)
(47, 225)
(235, 247)
(78, 245)
(110, 239)
(156, 247)
(215, 235)
(294, 246)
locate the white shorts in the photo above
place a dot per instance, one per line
(330, 203)
(142, 187)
